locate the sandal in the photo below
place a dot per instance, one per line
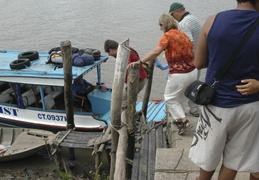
(178, 124)
(184, 127)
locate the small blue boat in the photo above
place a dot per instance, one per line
(33, 96)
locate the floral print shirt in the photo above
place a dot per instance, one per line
(178, 51)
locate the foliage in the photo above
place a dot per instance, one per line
(65, 176)
(97, 176)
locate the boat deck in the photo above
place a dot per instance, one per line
(156, 112)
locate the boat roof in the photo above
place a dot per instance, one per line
(39, 72)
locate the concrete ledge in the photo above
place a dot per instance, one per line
(174, 159)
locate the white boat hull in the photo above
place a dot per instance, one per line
(49, 120)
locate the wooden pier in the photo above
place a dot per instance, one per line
(149, 137)
(77, 139)
(131, 144)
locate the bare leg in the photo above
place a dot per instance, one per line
(206, 175)
(226, 173)
(182, 120)
(252, 176)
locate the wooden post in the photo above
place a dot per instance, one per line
(58, 159)
(133, 82)
(148, 89)
(117, 90)
(67, 66)
(66, 52)
(127, 149)
(120, 165)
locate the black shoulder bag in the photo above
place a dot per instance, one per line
(202, 93)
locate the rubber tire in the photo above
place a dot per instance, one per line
(31, 55)
(20, 63)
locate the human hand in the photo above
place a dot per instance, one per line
(250, 86)
(157, 63)
(131, 65)
(160, 66)
(81, 97)
(94, 86)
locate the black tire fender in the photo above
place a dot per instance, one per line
(31, 55)
(20, 63)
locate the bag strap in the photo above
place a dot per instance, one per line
(134, 51)
(237, 50)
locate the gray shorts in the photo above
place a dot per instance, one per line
(230, 133)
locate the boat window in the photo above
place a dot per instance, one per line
(53, 97)
(25, 95)
(3, 86)
(6, 93)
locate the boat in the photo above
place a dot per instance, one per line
(18, 143)
(32, 95)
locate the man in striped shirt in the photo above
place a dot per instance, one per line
(190, 25)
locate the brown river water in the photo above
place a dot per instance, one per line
(40, 25)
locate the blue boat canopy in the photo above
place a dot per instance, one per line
(39, 72)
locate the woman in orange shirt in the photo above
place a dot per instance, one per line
(179, 55)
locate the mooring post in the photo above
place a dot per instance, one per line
(148, 88)
(66, 52)
(133, 83)
(116, 102)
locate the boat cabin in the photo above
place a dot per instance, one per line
(34, 96)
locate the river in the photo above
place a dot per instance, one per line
(40, 25)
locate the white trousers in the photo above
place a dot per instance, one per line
(174, 92)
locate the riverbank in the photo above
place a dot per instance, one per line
(38, 166)
(41, 167)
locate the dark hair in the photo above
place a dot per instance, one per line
(251, 1)
(110, 44)
(78, 78)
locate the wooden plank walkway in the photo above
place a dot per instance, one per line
(77, 139)
(149, 137)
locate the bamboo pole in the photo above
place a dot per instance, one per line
(117, 90)
(66, 52)
(148, 89)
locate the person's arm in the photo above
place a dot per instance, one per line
(80, 97)
(149, 56)
(202, 54)
(86, 83)
(74, 89)
(251, 86)
(160, 66)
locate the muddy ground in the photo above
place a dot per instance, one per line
(41, 167)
